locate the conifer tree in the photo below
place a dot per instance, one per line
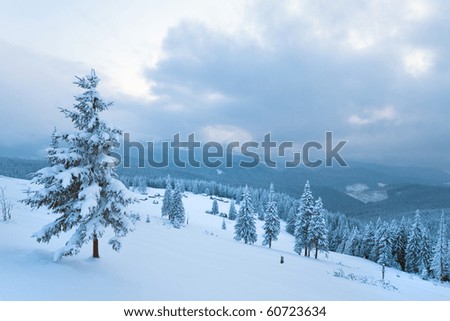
(374, 254)
(245, 227)
(167, 200)
(440, 264)
(317, 232)
(232, 213)
(303, 219)
(291, 218)
(399, 241)
(5, 205)
(351, 244)
(177, 214)
(338, 232)
(427, 254)
(80, 184)
(142, 185)
(384, 246)
(271, 220)
(224, 224)
(368, 241)
(414, 261)
(135, 184)
(215, 208)
(261, 212)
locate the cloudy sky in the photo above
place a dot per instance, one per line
(374, 72)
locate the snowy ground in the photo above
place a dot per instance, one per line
(198, 262)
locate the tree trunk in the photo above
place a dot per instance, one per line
(270, 242)
(95, 247)
(306, 250)
(317, 251)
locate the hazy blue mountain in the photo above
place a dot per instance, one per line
(406, 188)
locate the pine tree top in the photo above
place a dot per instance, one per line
(306, 200)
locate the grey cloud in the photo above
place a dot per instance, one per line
(32, 86)
(289, 80)
(298, 88)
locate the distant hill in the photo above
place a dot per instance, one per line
(406, 188)
(20, 167)
(370, 174)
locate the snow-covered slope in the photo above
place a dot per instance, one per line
(198, 262)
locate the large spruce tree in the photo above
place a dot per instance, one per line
(303, 220)
(317, 232)
(271, 220)
(415, 260)
(384, 246)
(215, 208)
(167, 200)
(245, 227)
(400, 239)
(440, 264)
(80, 183)
(177, 215)
(232, 213)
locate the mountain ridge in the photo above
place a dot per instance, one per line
(407, 188)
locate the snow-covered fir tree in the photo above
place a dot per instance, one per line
(245, 228)
(80, 183)
(399, 241)
(291, 219)
(338, 231)
(367, 241)
(415, 247)
(224, 224)
(379, 232)
(427, 254)
(167, 200)
(271, 225)
(317, 231)
(215, 208)
(377, 235)
(5, 205)
(303, 219)
(260, 211)
(352, 244)
(194, 188)
(232, 213)
(177, 214)
(135, 184)
(440, 265)
(384, 246)
(142, 185)
(53, 148)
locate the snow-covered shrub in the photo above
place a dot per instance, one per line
(6, 206)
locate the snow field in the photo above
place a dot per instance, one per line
(197, 262)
